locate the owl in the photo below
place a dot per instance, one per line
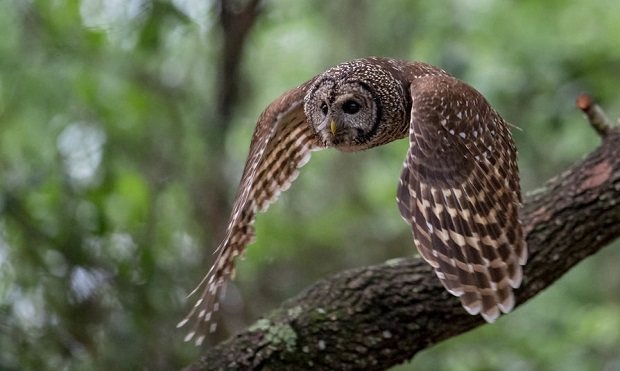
(458, 189)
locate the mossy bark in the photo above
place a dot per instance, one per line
(375, 317)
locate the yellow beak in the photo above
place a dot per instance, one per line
(333, 127)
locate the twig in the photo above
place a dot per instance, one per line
(597, 117)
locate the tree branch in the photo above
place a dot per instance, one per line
(379, 316)
(595, 114)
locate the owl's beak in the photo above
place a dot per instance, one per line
(333, 127)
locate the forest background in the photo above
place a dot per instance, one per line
(124, 127)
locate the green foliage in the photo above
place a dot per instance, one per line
(117, 173)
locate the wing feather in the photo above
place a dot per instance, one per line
(459, 189)
(281, 144)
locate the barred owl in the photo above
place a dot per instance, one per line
(459, 186)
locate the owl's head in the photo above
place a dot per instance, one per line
(358, 105)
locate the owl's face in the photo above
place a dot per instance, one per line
(353, 107)
(344, 116)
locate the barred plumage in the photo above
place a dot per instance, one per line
(459, 188)
(460, 191)
(282, 143)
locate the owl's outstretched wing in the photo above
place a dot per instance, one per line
(459, 190)
(281, 144)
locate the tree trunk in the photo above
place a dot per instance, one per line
(376, 317)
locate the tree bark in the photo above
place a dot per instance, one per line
(236, 19)
(376, 317)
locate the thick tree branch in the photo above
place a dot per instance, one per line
(379, 316)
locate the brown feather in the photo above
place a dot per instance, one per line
(459, 187)
(281, 144)
(465, 216)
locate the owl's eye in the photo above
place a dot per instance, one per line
(351, 107)
(324, 108)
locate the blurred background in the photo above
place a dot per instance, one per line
(124, 127)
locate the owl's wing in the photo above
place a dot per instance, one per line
(281, 144)
(459, 190)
